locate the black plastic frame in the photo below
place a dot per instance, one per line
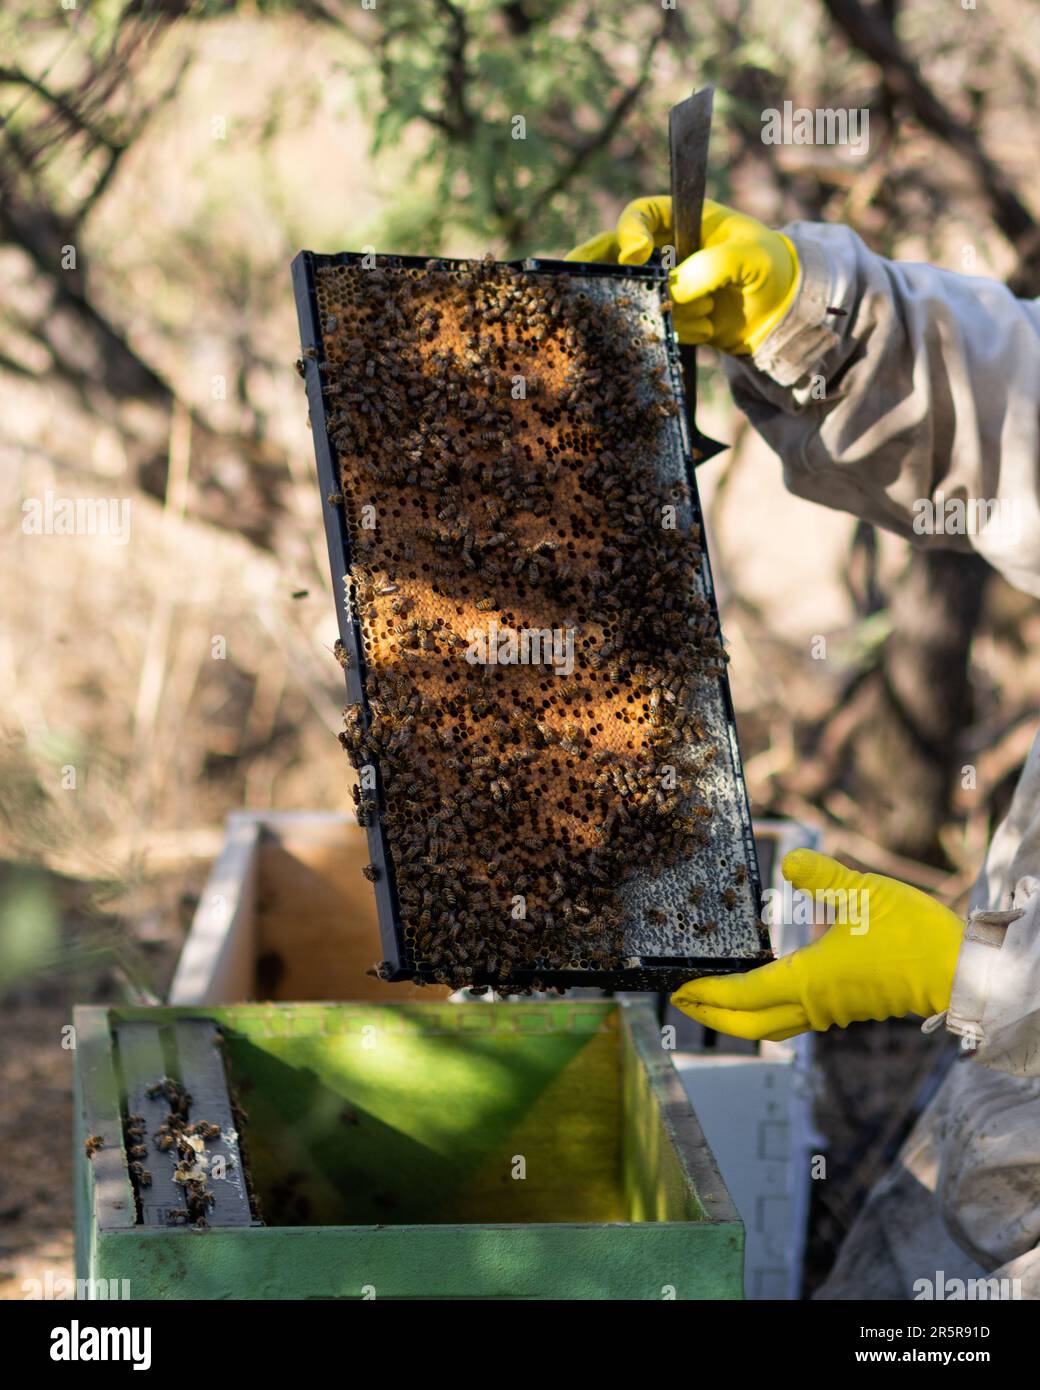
(652, 973)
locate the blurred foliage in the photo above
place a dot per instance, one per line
(30, 928)
(530, 112)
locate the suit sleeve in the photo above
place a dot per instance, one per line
(908, 396)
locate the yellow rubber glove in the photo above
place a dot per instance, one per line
(731, 293)
(903, 963)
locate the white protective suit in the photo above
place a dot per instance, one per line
(926, 389)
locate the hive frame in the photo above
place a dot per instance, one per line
(648, 972)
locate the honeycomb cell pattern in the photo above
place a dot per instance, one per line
(511, 463)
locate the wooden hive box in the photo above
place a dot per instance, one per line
(287, 915)
(528, 1150)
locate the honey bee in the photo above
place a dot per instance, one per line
(92, 1143)
(371, 873)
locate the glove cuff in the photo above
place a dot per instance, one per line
(995, 1002)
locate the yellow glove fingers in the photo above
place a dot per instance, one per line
(813, 872)
(696, 309)
(764, 988)
(695, 333)
(784, 1021)
(704, 273)
(713, 218)
(644, 224)
(786, 1033)
(693, 322)
(602, 247)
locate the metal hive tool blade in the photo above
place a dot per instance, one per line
(689, 131)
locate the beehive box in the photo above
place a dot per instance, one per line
(530, 1150)
(539, 711)
(285, 914)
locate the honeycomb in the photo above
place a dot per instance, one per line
(544, 738)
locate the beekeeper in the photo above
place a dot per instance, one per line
(890, 390)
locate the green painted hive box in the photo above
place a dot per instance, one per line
(522, 1150)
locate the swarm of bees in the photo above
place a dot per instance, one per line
(498, 436)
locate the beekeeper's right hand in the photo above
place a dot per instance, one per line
(731, 293)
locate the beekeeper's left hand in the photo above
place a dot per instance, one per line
(894, 953)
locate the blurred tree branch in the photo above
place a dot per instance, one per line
(603, 138)
(62, 104)
(474, 73)
(104, 113)
(872, 33)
